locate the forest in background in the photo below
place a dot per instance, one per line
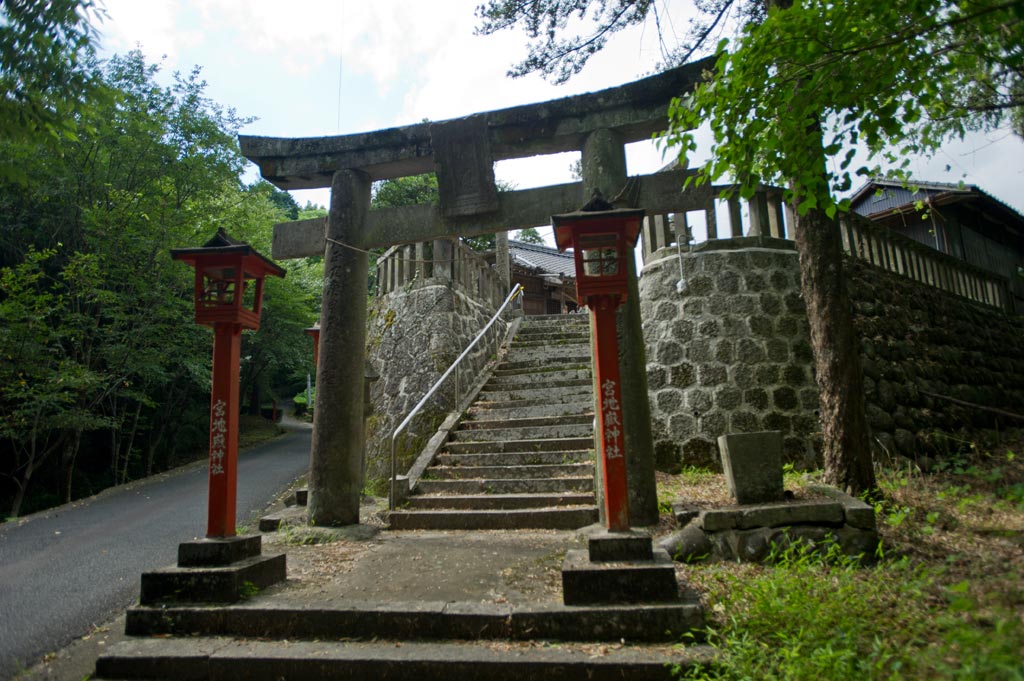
(104, 376)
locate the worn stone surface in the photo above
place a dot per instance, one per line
(336, 461)
(218, 551)
(856, 512)
(691, 544)
(226, 584)
(586, 582)
(730, 354)
(753, 466)
(790, 513)
(612, 546)
(741, 311)
(413, 337)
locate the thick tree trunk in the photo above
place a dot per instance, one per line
(836, 355)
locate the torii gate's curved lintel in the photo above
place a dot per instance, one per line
(634, 111)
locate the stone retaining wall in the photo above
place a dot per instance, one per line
(918, 342)
(729, 352)
(414, 335)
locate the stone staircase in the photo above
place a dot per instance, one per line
(521, 458)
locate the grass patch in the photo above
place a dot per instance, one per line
(945, 601)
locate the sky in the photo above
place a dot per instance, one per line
(307, 68)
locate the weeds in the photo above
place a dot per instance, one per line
(944, 601)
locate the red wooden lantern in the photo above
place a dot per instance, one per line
(602, 241)
(228, 280)
(314, 333)
(228, 296)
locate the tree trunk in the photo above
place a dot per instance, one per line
(836, 349)
(68, 457)
(836, 354)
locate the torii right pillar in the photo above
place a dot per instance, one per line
(604, 169)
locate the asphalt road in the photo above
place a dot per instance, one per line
(65, 570)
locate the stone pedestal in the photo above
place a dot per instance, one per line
(218, 570)
(618, 567)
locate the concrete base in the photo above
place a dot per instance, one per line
(635, 581)
(227, 584)
(218, 551)
(214, 570)
(618, 546)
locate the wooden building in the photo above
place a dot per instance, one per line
(959, 220)
(547, 276)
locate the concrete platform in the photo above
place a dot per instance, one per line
(225, 658)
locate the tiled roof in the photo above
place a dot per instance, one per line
(951, 189)
(543, 259)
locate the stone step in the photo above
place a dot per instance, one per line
(539, 445)
(575, 317)
(506, 486)
(525, 421)
(526, 409)
(555, 378)
(565, 430)
(423, 620)
(499, 501)
(515, 458)
(541, 371)
(558, 518)
(533, 360)
(568, 391)
(524, 471)
(181, 659)
(548, 348)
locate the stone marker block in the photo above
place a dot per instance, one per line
(753, 466)
(628, 545)
(218, 551)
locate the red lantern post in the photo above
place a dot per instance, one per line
(228, 296)
(601, 241)
(314, 333)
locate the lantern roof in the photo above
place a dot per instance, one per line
(596, 211)
(223, 243)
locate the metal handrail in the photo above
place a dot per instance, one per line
(513, 294)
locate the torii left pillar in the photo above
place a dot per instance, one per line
(335, 471)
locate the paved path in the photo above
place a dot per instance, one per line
(64, 570)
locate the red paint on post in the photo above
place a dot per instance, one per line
(609, 408)
(224, 403)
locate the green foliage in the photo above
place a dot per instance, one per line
(45, 53)
(405, 191)
(896, 79)
(820, 615)
(530, 235)
(105, 377)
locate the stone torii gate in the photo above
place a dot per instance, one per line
(462, 152)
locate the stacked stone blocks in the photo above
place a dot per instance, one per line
(728, 349)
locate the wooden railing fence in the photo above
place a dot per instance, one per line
(768, 215)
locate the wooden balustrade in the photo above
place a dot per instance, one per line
(902, 255)
(768, 215)
(444, 261)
